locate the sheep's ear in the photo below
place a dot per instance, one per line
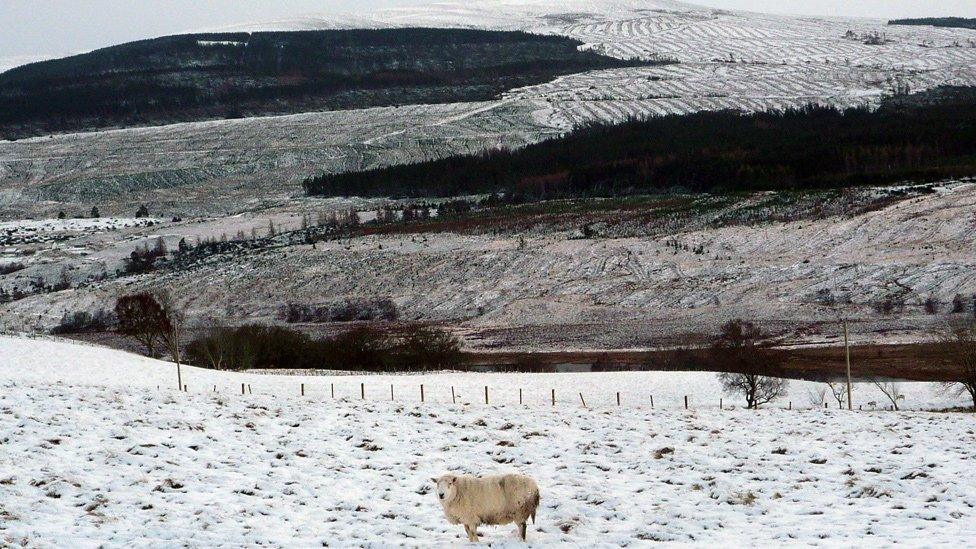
(433, 479)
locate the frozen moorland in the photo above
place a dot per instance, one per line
(93, 454)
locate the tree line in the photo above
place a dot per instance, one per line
(952, 22)
(205, 76)
(813, 147)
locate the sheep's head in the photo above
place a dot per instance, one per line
(446, 487)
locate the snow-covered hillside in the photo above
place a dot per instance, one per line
(551, 290)
(726, 60)
(93, 454)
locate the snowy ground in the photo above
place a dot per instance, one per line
(120, 463)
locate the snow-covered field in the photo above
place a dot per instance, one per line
(92, 454)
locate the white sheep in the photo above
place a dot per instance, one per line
(494, 500)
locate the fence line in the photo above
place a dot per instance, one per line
(615, 399)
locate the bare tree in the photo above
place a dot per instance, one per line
(956, 348)
(143, 318)
(213, 348)
(892, 391)
(172, 336)
(838, 390)
(743, 350)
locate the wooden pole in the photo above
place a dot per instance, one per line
(184, 388)
(553, 397)
(652, 402)
(215, 388)
(453, 400)
(486, 394)
(520, 396)
(391, 392)
(847, 355)
(249, 391)
(332, 386)
(618, 398)
(686, 402)
(581, 400)
(179, 376)
(303, 389)
(362, 391)
(421, 392)
(242, 389)
(720, 406)
(790, 406)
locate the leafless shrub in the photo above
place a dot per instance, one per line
(838, 390)
(817, 397)
(341, 311)
(10, 268)
(80, 322)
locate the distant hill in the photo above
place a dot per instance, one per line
(953, 22)
(923, 137)
(231, 75)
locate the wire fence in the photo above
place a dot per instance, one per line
(511, 395)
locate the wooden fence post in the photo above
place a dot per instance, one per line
(391, 392)
(553, 397)
(520, 396)
(421, 392)
(249, 391)
(486, 394)
(686, 402)
(720, 406)
(184, 388)
(652, 402)
(362, 391)
(618, 398)
(581, 400)
(242, 389)
(790, 407)
(332, 386)
(453, 400)
(303, 389)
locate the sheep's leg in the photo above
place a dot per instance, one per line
(472, 531)
(521, 526)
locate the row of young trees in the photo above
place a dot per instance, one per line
(362, 348)
(142, 211)
(155, 321)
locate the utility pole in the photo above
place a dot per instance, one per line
(847, 354)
